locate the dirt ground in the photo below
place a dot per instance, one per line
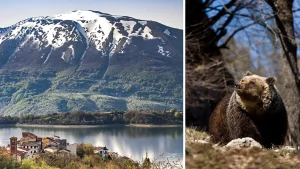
(200, 153)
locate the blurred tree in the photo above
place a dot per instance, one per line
(8, 163)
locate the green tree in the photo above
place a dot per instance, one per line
(84, 149)
(146, 162)
(178, 115)
(77, 165)
(59, 160)
(8, 163)
(92, 160)
(30, 164)
(173, 110)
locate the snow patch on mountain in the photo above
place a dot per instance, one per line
(25, 41)
(72, 50)
(93, 26)
(63, 56)
(128, 25)
(77, 15)
(4, 31)
(82, 32)
(163, 52)
(105, 26)
(15, 32)
(53, 37)
(48, 55)
(29, 24)
(59, 39)
(136, 33)
(143, 22)
(117, 35)
(2, 38)
(147, 33)
(167, 32)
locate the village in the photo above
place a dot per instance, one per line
(30, 145)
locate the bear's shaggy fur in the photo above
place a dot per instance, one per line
(254, 109)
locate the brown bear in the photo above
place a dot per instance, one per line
(254, 109)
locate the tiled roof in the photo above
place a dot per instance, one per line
(27, 139)
(28, 134)
(52, 148)
(64, 150)
(100, 148)
(50, 138)
(31, 144)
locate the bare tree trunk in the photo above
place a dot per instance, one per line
(282, 10)
(206, 74)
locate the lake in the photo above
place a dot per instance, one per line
(159, 143)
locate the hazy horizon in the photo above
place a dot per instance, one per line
(162, 11)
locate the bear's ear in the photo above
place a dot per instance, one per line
(271, 80)
(248, 73)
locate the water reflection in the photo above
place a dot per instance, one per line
(129, 141)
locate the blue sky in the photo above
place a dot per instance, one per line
(256, 41)
(168, 12)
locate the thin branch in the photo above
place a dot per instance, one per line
(223, 11)
(296, 10)
(224, 45)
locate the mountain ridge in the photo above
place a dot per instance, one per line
(93, 53)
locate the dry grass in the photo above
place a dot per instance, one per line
(192, 135)
(208, 155)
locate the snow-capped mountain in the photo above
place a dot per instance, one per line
(93, 53)
(78, 34)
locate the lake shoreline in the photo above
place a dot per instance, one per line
(127, 141)
(91, 126)
(154, 125)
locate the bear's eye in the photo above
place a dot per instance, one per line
(251, 83)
